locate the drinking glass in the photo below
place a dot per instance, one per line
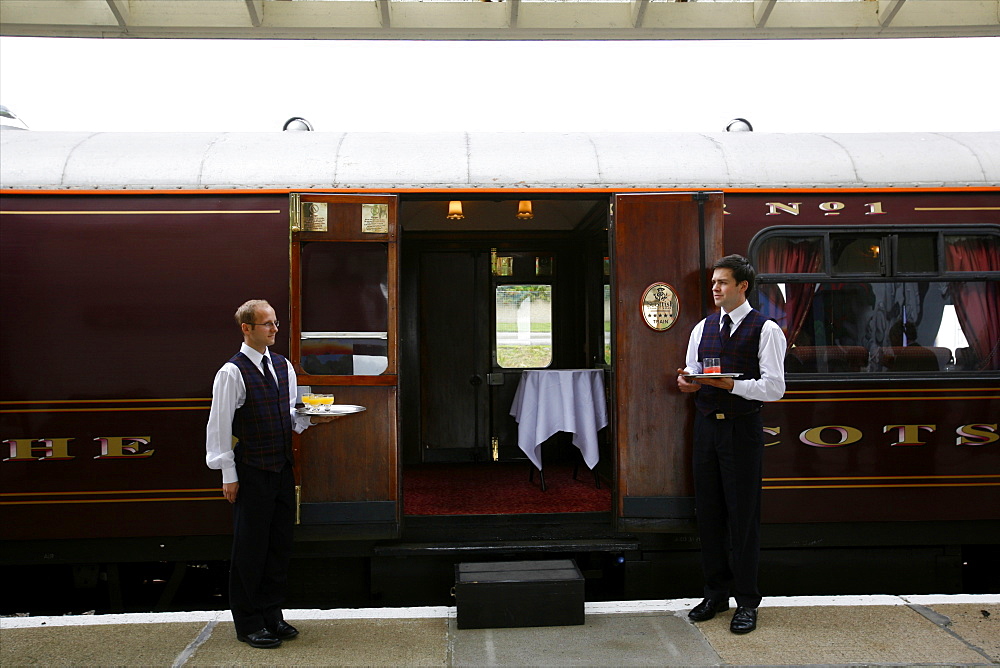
(713, 365)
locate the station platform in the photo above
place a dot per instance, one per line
(960, 630)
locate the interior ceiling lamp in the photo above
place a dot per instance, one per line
(455, 210)
(524, 210)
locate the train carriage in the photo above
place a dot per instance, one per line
(421, 276)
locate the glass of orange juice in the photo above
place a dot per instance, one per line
(325, 401)
(712, 365)
(310, 400)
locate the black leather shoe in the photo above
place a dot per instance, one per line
(285, 631)
(262, 639)
(705, 610)
(744, 620)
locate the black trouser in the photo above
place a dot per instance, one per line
(263, 521)
(728, 457)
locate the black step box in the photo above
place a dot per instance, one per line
(504, 594)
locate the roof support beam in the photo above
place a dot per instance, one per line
(513, 9)
(762, 12)
(256, 10)
(887, 10)
(639, 12)
(120, 9)
(519, 20)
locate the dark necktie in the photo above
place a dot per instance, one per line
(724, 332)
(267, 374)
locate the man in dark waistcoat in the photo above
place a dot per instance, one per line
(253, 401)
(729, 439)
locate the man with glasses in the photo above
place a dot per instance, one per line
(253, 400)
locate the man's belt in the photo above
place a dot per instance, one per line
(729, 416)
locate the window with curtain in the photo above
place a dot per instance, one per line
(888, 300)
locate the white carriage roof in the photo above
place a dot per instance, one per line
(515, 161)
(510, 19)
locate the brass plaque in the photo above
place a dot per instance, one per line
(660, 306)
(314, 217)
(375, 218)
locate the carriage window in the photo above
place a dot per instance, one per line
(854, 254)
(344, 308)
(891, 322)
(916, 254)
(790, 254)
(971, 252)
(523, 326)
(883, 327)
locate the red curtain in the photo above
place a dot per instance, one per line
(977, 303)
(789, 256)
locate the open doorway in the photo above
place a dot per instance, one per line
(484, 298)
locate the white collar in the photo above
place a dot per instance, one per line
(253, 355)
(737, 314)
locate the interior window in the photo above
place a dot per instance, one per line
(841, 322)
(523, 326)
(607, 324)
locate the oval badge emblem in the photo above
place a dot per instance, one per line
(660, 306)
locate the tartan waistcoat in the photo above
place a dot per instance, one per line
(738, 355)
(263, 424)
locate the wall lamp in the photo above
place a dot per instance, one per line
(455, 210)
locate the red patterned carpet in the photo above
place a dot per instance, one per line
(500, 489)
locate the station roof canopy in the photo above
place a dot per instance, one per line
(501, 19)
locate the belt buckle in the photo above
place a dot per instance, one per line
(720, 416)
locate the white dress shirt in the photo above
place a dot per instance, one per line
(228, 393)
(770, 354)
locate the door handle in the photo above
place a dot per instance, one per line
(476, 380)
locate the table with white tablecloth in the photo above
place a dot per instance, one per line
(554, 400)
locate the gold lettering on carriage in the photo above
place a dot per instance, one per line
(831, 208)
(57, 449)
(905, 435)
(824, 436)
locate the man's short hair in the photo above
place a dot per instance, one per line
(741, 268)
(248, 311)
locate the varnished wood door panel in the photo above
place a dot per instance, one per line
(661, 237)
(354, 457)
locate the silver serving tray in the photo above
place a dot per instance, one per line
(333, 409)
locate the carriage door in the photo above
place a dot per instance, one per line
(344, 342)
(662, 246)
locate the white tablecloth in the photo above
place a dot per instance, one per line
(550, 401)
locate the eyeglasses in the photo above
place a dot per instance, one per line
(272, 324)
